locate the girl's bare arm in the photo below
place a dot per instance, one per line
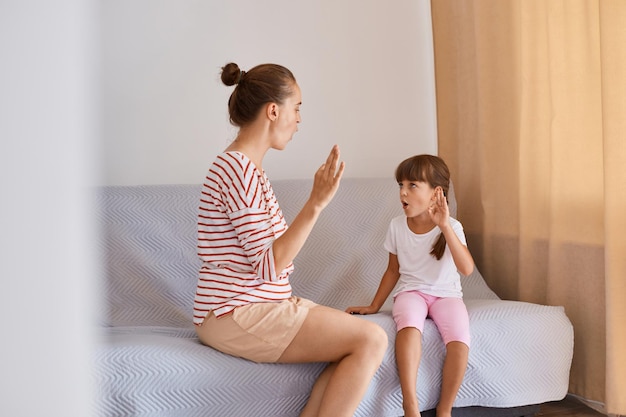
(388, 281)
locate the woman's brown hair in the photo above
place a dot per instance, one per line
(263, 84)
(434, 171)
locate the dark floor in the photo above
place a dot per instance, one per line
(569, 407)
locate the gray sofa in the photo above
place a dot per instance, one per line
(150, 363)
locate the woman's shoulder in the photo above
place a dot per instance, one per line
(232, 159)
(231, 165)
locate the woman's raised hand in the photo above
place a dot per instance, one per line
(325, 184)
(327, 178)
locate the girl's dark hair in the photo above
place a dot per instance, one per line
(263, 84)
(434, 171)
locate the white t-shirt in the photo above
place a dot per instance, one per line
(419, 270)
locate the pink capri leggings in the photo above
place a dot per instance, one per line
(410, 309)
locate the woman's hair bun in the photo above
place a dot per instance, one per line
(264, 83)
(231, 74)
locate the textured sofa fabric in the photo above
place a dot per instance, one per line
(150, 363)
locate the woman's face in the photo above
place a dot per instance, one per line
(286, 123)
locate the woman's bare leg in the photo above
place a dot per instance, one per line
(355, 344)
(408, 354)
(312, 407)
(454, 367)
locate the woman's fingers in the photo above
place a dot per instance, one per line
(339, 172)
(330, 168)
(327, 178)
(331, 162)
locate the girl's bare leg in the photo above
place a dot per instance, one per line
(408, 354)
(454, 366)
(357, 346)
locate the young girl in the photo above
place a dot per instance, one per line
(427, 251)
(243, 305)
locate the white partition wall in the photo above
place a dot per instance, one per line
(48, 134)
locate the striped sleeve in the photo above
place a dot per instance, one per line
(246, 204)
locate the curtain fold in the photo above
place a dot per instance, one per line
(532, 122)
(613, 58)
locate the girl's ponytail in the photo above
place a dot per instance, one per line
(439, 247)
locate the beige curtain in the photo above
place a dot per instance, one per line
(531, 102)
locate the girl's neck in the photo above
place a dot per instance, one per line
(420, 224)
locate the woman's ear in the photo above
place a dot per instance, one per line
(272, 111)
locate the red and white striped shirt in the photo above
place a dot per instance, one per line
(238, 221)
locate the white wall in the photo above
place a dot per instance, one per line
(365, 68)
(47, 138)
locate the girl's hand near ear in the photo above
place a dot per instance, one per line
(440, 215)
(438, 209)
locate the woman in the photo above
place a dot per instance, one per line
(244, 305)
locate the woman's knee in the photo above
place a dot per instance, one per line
(375, 339)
